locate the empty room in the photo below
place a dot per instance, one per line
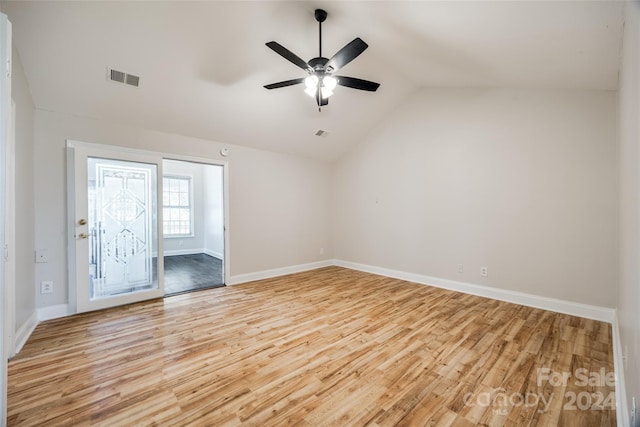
(331, 213)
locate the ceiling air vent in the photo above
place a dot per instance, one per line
(132, 80)
(122, 77)
(117, 76)
(322, 133)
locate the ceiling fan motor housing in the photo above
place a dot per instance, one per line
(320, 15)
(318, 63)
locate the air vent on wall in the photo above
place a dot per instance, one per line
(122, 77)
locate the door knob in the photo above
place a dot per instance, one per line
(83, 235)
(82, 221)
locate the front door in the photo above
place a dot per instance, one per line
(116, 228)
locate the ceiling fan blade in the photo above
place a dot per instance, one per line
(288, 55)
(284, 83)
(346, 55)
(354, 83)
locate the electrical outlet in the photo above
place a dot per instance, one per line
(460, 268)
(484, 271)
(321, 251)
(46, 287)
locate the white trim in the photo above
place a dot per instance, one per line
(24, 332)
(196, 251)
(275, 272)
(9, 247)
(560, 306)
(552, 304)
(622, 410)
(5, 99)
(214, 254)
(185, 252)
(54, 312)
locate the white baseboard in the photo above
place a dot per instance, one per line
(560, 306)
(54, 312)
(622, 410)
(24, 332)
(184, 252)
(268, 274)
(567, 307)
(214, 254)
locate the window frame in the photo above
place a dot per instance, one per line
(189, 179)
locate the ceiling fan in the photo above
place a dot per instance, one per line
(321, 81)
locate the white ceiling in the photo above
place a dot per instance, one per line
(203, 64)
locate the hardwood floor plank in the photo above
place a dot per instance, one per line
(326, 347)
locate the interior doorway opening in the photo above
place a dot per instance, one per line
(193, 226)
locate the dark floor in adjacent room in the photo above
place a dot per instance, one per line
(183, 273)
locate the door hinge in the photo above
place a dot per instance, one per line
(6, 252)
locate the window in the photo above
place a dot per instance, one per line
(176, 204)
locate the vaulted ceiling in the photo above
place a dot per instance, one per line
(203, 64)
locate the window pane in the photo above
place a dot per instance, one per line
(177, 209)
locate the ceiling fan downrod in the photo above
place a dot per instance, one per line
(321, 16)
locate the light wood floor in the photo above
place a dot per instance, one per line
(327, 347)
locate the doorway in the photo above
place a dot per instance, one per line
(193, 225)
(124, 207)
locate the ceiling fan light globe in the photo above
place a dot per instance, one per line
(326, 92)
(329, 82)
(311, 82)
(311, 92)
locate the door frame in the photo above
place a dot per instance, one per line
(9, 246)
(225, 203)
(72, 145)
(5, 108)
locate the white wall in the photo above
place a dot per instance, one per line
(629, 131)
(195, 244)
(214, 211)
(523, 182)
(208, 213)
(278, 214)
(24, 252)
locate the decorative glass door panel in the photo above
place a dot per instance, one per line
(121, 224)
